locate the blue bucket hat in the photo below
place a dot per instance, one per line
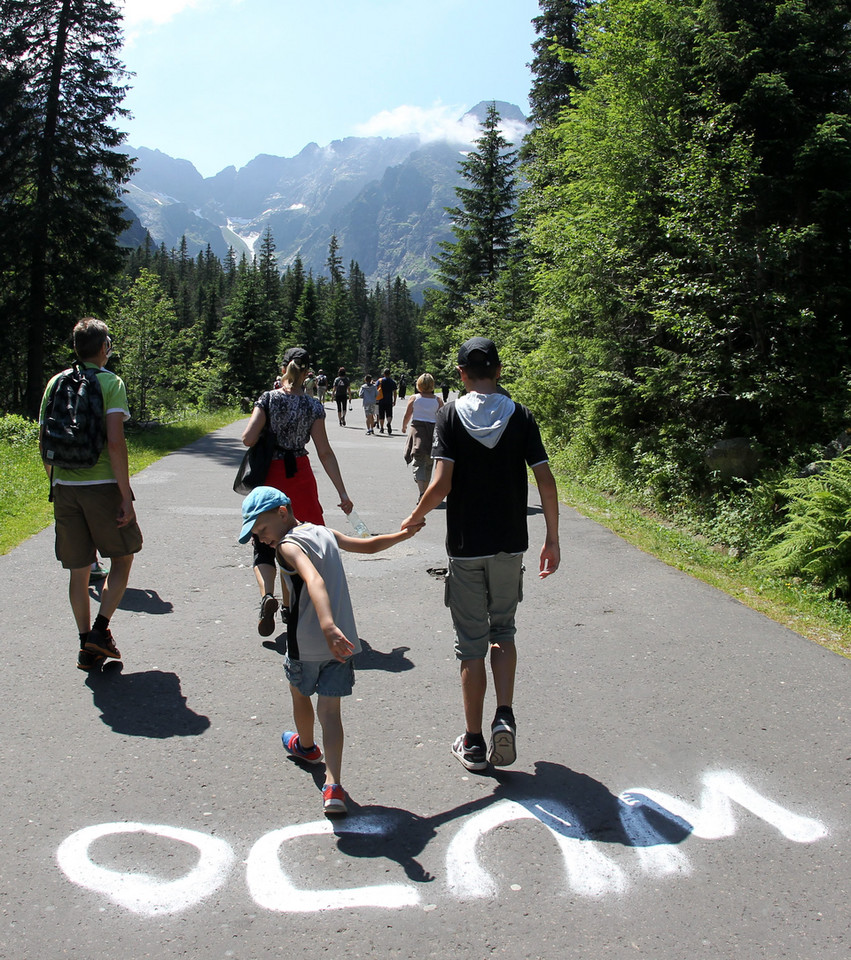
(260, 500)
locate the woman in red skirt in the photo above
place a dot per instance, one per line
(294, 418)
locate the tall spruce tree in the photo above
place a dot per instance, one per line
(554, 70)
(485, 241)
(483, 225)
(248, 339)
(65, 208)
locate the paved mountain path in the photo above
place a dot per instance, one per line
(681, 789)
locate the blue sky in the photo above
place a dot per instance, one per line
(219, 81)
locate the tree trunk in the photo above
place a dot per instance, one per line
(37, 313)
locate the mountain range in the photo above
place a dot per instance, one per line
(383, 198)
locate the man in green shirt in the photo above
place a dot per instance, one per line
(93, 507)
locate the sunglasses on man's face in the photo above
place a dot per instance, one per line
(108, 347)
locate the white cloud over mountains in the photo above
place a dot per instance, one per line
(438, 122)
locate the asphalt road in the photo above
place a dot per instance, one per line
(681, 789)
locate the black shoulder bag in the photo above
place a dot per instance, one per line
(255, 464)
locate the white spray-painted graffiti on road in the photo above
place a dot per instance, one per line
(139, 892)
(651, 822)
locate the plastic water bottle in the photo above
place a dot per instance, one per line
(359, 527)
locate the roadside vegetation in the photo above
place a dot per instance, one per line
(789, 600)
(24, 507)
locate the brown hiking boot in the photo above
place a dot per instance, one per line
(101, 642)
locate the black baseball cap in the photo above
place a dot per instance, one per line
(478, 350)
(297, 355)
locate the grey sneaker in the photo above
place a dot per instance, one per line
(502, 751)
(473, 757)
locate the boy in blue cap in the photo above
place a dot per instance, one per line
(321, 632)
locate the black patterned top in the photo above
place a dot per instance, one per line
(290, 417)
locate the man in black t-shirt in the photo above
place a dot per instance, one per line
(484, 442)
(386, 399)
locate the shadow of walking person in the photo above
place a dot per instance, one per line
(146, 704)
(136, 600)
(400, 835)
(577, 806)
(371, 659)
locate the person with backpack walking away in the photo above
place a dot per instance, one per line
(81, 437)
(386, 398)
(342, 392)
(321, 386)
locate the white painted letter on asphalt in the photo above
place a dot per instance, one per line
(139, 892)
(271, 888)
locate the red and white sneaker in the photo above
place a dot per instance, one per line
(294, 748)
(334, 800)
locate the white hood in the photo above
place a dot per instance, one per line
(485, 416)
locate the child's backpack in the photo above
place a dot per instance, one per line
(74, 431)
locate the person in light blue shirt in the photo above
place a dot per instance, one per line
(368, 393)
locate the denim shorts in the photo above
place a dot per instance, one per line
(482, 596)
(328, 678)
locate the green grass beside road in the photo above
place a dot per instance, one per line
(24, 507)
(24, 510)
(788, 602)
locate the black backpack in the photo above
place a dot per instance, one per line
(73, 432)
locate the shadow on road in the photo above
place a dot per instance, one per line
(367, 659)
(138, 601)
(146, 704)
(371, 659)
(572, 804)
(225, 450)
(578, 806)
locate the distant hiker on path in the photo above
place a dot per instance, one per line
(295, 419)
(93, 506)
(484, 442)
(321, 386)
(368, 393)
(386, 399)
(342, 391)
(321, 635)
(419, 420)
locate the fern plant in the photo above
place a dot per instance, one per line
(814, 542)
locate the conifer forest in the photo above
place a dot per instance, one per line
(663, 261)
